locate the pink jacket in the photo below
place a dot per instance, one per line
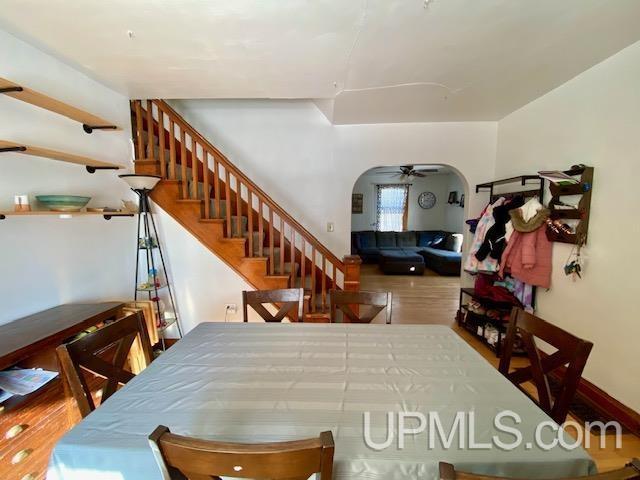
(528, 257)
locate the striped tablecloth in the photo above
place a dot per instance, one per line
(257, 382)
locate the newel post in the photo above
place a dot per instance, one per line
(352, 273)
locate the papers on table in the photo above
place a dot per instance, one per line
(23, 381)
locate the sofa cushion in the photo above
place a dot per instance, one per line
(386, 239)
(438, 252)
(444, 262)
(453, 243)
(430, 238)
(365, 239)
(406, 239)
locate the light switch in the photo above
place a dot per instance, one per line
(330, 227)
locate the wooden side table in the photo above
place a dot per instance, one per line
(30, 425)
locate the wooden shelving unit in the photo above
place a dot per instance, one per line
(89, 121)
(91, 164)
(580, 213)
(106, 215)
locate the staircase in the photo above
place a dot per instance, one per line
(230, 215)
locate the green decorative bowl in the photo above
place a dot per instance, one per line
(63, 203)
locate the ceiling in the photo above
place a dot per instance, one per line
(365, 61)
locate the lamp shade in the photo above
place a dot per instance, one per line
(141, 182)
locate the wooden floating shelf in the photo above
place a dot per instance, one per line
(581, 213)
(91, 164)
(50, 213)
(89, 121)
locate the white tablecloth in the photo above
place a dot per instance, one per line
(261, 382)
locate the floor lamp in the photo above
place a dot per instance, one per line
(147, 241)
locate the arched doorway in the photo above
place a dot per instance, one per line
(407, 225)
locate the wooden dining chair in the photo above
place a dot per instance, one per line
(630, 471)
(103, 353)
(344, 300)
(288, 300)
(196, 459)
(571, 352)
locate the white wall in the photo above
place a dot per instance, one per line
(46, 261)
(309, 166)
(440, 217)
(202, 283)
(593, 119)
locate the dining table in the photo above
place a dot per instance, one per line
(265, 382)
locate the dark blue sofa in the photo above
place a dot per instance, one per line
(439, 249)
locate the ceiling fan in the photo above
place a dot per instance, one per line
(408, 171)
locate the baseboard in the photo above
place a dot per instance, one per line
(608, 406)
(604, 404)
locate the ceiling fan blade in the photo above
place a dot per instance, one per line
(428, 170)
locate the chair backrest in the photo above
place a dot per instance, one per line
(89, 353)
(571, 352)
(343, 300)
(288, 300)
(629, 472)
(198, 459)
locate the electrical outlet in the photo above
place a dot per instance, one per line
(231, 308)
(330, 227)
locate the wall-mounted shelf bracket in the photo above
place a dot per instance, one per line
(91, 128)
(108, 216)
(91, 169)
(13, 149)
(11, 89)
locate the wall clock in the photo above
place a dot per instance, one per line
(427, 200)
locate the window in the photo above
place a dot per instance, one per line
(391, 210)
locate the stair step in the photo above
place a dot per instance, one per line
(146, 161)
(279, 277)
(234, 240)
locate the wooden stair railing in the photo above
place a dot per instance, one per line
(165, 140)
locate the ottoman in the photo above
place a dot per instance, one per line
(401, 262)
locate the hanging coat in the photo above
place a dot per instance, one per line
(528, 257)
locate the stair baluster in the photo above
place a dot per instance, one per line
(150, 137)
(250, 216)
(195, 163)
(172, 149)
(205, 178)
(183, 162)
(139, 130)
(271, 244)
(161, 148)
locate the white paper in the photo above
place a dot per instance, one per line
(5, 395)
(24, 381)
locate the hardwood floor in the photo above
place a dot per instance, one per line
(429, 298)
(432, 299)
